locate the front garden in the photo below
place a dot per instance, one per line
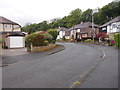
(43, 40)
(103, 39)
(100, 39)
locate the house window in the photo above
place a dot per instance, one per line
(7, 26)
(78, 30)
(103, 28)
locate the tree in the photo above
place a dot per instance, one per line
(86, 16)
(43, 26)
(105, 14)
(54, 34)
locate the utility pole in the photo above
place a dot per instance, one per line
(93, 26)
(93, 29)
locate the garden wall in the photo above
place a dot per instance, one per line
(43, 48)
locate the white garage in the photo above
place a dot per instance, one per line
(15, 41)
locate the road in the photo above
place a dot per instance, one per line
(59, 70)
(106, 74)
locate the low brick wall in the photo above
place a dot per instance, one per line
(43, 48)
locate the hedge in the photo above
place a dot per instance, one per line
(54, 34)
(36, 39)
(117, 40)
(48, 37)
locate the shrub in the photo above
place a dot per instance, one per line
(71, 40)
(117, 40)
(36, 39)
(63, 38)
(88, 40)
(1, 41)
(101, 35)
(54, 34)
(48, 37)
(112, 43)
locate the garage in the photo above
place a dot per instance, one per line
(15, 41)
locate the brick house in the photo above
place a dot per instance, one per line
(84, 30)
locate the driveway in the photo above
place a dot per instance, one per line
(59, 70)
(14, 52)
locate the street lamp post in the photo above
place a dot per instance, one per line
(93, 26)
(93, 29)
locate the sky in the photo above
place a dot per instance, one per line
(35, 11)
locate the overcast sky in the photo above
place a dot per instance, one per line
(34, 11)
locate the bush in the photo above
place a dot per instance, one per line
(117, 40)
(1, 41)
(101, 35)
(88, 40)
(111, 43)
(71, 40)
(48, 37)
(63, 38)
(36, 39)
(54, 34)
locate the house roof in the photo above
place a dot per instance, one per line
(83, 25)
(111, 21)
(62, 29)
(4, 20)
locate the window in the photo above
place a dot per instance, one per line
(7, 26)
(78, 30)
(103, 29)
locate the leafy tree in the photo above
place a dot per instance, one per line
(48, 37)
(87, 15)
(105, 14)
(43, 26)
(54, 34)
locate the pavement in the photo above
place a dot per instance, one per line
(12, 56)
(14, 52)
(63, 69)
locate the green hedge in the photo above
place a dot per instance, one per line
(117, 40)
(36, 39)
(48, 37)
(54, 34)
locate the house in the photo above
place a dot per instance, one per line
(84, 30)
(11, 33)
(8, 27)
(111, 27)
(63, 32)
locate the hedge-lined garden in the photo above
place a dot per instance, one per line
(41, 38)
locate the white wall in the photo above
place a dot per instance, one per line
(61, 34)
(73, 32)
(15, 42)
(113, 28)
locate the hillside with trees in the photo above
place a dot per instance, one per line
(105, 14)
